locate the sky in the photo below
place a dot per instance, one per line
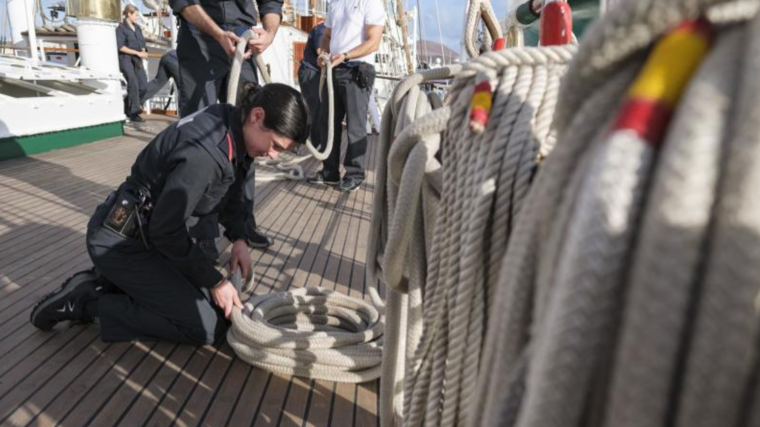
(451, 14)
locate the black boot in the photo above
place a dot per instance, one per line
(68, 302)
(257, 239)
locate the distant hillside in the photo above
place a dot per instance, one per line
(428, 51)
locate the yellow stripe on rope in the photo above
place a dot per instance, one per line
(671, 64)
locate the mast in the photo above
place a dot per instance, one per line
(401, 22)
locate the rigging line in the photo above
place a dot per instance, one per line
(440, 33)
(420, 33)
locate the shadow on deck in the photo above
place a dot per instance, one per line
(71, 378)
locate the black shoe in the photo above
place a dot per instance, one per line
(68, 302)
(208, 247)
(136, 118)
(350, 184)
(322, 178)
(256, 239)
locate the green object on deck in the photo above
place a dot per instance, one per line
(21, 146)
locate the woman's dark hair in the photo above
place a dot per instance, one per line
(284, 107)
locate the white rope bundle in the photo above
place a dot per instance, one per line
(308, 332)
(408, 170)
(627, 295)
(438, 285)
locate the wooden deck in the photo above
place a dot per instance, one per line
(71, 378)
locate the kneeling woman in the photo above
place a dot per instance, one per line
(156, 283)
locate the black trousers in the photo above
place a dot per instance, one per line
(351, 102)
(308, 80)
(167, 67)
(158, 302)
(204, 71)
(137, 84)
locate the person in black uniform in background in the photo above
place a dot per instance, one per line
(161, 286)
(308, 79)
(208, 33)
(168, 67)
(132, 50)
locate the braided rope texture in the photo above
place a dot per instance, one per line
(310, 332)
(627, 293)
(439, 275)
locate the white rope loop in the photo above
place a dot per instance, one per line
(476, 10)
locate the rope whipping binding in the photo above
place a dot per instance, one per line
(290, 170)
(308, 332)
(437, 218)
(627, 295)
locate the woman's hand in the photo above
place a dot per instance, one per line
(142, 55)
(226, 296)
(240, 258)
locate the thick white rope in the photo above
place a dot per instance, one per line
(420, 207)
(614, 294)
(477, 10)
(309, 332)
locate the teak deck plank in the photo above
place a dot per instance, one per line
(69, 377)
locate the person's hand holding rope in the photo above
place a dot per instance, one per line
(228, 40)
(226, 297)
(259, 44)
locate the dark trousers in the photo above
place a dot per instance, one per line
(204, 71)
(137, 83)
(351, 102)
(158, 302)
(308, 80)
(167, 67)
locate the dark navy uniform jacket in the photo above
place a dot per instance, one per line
(312, 44)
(132, 39)
(231, 13)
(195, 167)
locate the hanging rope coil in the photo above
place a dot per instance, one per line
(423, 209)
(614, 292)
(309, 332)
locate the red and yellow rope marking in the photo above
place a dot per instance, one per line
(480, 106)
(654, 96)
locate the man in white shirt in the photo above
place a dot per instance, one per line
(353, 32)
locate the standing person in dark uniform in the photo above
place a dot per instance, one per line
(353, 32)
(161, 285)
(308, 79)
(132, 50)
(209, 31)
(168, 67)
